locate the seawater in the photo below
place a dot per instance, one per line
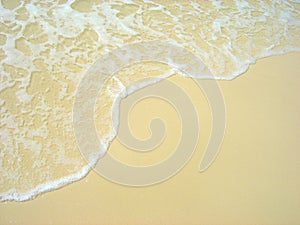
(47, 46)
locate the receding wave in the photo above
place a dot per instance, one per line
(46, 48)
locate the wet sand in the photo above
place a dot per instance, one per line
(254, 180)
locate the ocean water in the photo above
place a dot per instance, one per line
(46, 47)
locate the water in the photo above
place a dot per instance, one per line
(46, 47)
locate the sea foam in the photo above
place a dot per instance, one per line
(46, 48)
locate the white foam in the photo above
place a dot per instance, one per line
(15, 195)
(208, 25)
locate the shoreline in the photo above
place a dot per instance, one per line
(262, 107)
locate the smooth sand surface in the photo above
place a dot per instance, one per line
(254, 180)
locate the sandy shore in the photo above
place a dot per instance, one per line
(254, 180)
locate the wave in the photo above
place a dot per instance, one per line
(47, 47)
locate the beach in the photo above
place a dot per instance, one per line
(146, 112)
(253, 180)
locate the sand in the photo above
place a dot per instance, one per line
(254, 180)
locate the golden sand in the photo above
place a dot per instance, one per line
(254, 180)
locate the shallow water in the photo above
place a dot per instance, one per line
(46, 48)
